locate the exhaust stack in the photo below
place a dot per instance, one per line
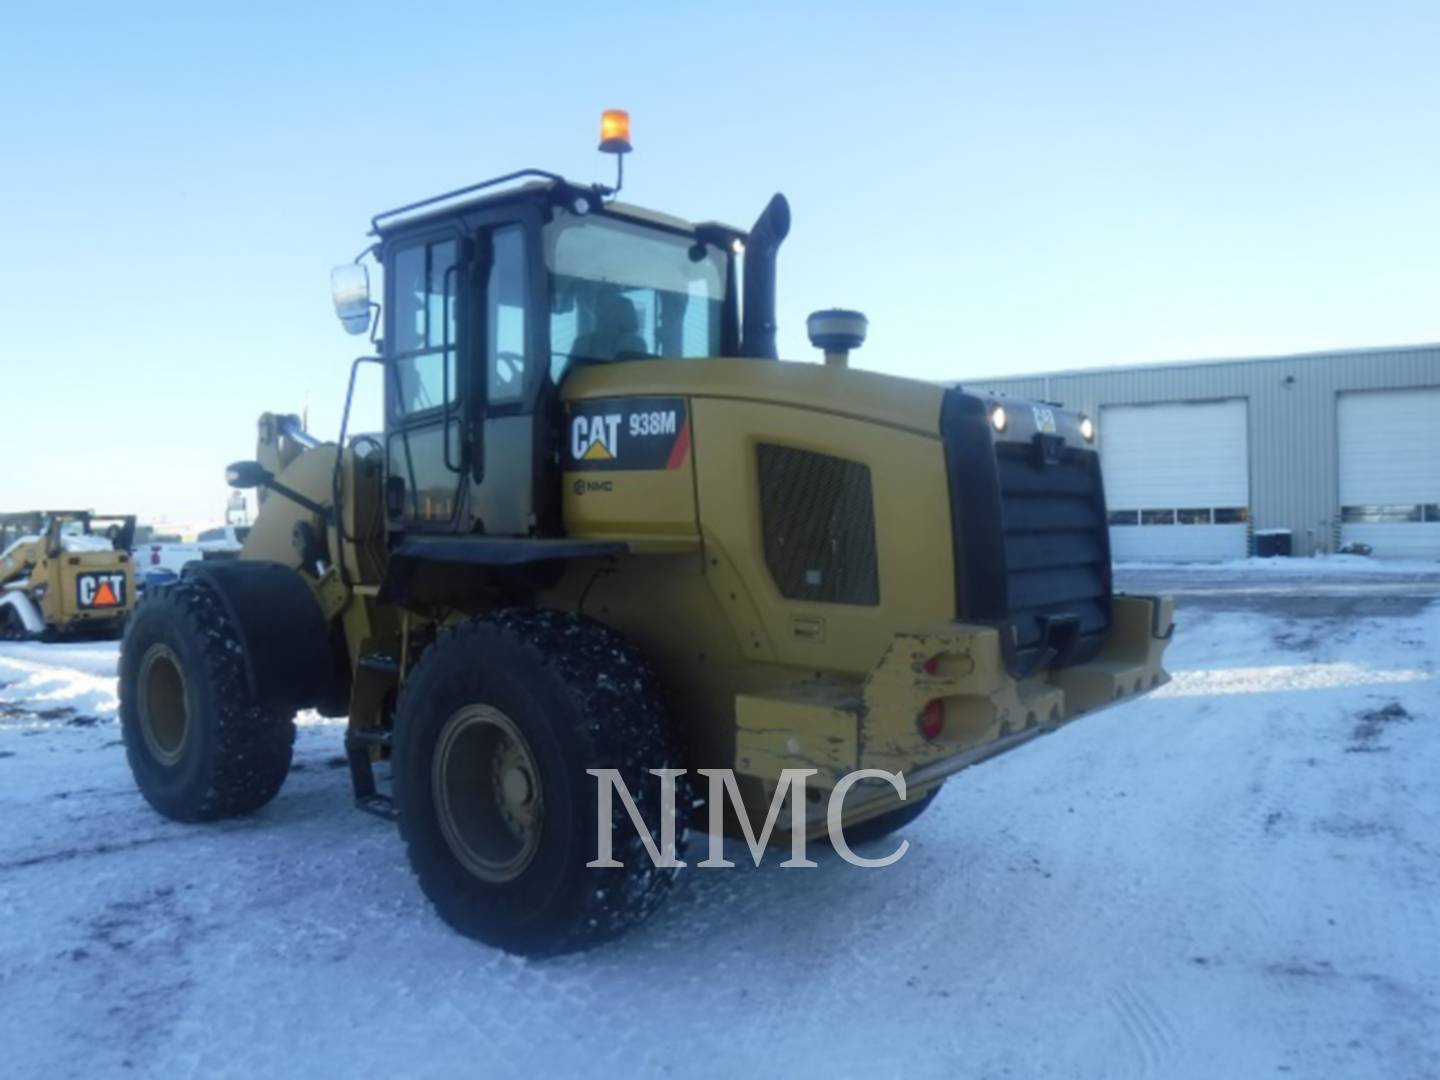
(757, 334)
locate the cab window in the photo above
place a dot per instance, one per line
(505, 293)
(624, 291)
(422, 329)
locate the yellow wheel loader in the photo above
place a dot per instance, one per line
(65, 573)
(605, 533)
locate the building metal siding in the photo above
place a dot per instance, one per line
(1293, 404)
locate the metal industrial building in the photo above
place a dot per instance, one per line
(1201, 458)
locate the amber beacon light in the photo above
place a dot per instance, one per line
(615, 132)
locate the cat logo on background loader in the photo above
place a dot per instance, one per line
(100, 590)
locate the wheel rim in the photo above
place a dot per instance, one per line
(164, 714)
(488, 796)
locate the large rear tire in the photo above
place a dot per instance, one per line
(198, 744)
(495, 729)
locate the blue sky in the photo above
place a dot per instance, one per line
(1001, 188)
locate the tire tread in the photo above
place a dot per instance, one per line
(254, 746)
(623, 725)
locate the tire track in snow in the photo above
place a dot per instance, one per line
(1150, 1034)
(179, 835)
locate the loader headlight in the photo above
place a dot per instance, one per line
(1087, 429)
(247, 474)
(998, 420)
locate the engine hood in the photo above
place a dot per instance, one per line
(907, 404)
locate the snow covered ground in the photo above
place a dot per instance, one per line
(1237, 876)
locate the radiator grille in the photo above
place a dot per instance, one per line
(817, 515)
(1057, 555)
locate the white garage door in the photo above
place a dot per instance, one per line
(1177, 480)
(1390, 471)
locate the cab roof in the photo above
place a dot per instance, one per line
(530, 185)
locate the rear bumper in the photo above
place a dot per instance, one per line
(837, 727)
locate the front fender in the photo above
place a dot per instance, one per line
(289, 647)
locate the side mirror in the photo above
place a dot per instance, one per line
(350, 289)
(248, 474)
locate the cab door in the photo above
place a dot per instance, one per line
(469, 402)
(512, 476)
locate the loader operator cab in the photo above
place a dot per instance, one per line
(490, 302)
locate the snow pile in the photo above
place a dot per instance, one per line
(80, 678)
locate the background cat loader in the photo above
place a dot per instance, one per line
(65, 573)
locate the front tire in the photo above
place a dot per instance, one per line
(198, 744)
(495, 729)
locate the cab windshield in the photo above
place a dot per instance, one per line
(624, 291)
